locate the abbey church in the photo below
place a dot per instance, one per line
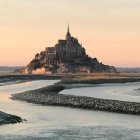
(64, 50)
(68, 55)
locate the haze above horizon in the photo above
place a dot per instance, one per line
(109, 30)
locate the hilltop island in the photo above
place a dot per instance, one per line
(67, 56)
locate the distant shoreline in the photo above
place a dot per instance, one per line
(69, 78)
(17, 78)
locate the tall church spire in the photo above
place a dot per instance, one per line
(68, 28)
(68, 35)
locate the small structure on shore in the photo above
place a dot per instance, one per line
(67, 56)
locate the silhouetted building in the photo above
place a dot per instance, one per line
(68, 55)
(66, 49)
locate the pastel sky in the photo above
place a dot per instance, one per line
(108, 29)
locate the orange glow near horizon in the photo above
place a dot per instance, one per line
(108, 30)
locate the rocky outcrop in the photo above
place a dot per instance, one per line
(9, 119)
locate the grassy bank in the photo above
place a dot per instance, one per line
(81, 78)
(100, 78)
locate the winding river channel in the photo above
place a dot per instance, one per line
(61, 123)
(123, 92)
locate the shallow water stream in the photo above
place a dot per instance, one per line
(124, 91)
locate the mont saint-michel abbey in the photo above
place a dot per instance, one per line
(64, 50)
(67, 56)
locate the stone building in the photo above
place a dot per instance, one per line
(51, 56)
(66, 49)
